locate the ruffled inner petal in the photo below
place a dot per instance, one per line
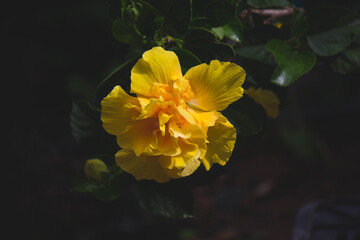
(165, 145)
(184, 163)
(139, 135)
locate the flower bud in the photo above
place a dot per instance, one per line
(132, 13)
(94, 169)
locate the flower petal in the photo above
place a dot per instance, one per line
(141, 167)
(118, 110)
(189, 152)
(163, 119)
(163, 145)
(184, 129)
(190, 167)
(216, 85)
(221, 139)
(155, 66)
(182, 90)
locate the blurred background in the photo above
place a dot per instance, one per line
(58, 52)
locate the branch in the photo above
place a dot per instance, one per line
(271, 14)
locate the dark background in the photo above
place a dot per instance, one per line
(58, 52)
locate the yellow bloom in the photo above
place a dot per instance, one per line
(174, 123)
(278, 25)
(267, 99)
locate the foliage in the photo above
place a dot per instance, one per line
(200, 31)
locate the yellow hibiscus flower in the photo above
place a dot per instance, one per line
(174, 123)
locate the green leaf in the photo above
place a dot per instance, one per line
(171, 199)
(300, 140)
(334, 41)
(217, 12)
(300, 25)
(349, 60)
(177, 21)
(261, 33)
(117, 8)
(87, 128)
(82, 183)
(177, 16)
(108, 189)
(257, 52)
(187, 59)
(204, 43)
(123, 31)
(245, 115)
(120, 76)
(85, 121)
(329, 16)
(232, 30)
(111, 191)
(221, 12)
(219, 31)
(268, 3)
(201, 22)
(149, 22)
(291, 64)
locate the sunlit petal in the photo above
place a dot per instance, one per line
(221, 142)
(141, 167)
(155, 66)
(216, 85)
(139, 135)
(118, 111)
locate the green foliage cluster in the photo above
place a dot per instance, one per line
(200, 31)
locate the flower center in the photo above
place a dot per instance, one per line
(178, 91)
(168, 104)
